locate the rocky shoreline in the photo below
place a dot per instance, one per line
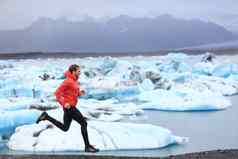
(215, 154)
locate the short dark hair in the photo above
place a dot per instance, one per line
(73, 67)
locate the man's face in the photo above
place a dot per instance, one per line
(77, 72)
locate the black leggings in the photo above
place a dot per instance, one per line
(69, 115)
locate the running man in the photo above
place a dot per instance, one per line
(67, 95)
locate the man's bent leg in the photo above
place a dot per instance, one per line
(67, 121)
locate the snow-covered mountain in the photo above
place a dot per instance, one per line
(118, 34)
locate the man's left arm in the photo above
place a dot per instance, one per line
(81, 93)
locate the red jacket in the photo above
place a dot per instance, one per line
(68, 91)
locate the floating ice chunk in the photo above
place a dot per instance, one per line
(147, 85)
(158, 80)
(108, 64)
(105, 135)
(102, 94)
(9, 120)
(21, 92)
(8, 104)
(183, 67)
(177, 77)
(203, 68)
(106, 88)
(224, 86)
(189, 100)
(121, 67)
(225, 70)
(176, 56)
(108, 110)
(174, 66)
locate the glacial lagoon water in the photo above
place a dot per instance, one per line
(207, 130)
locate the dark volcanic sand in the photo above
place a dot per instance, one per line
(217, 154)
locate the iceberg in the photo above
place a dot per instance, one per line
(105, 135)
(225, 70)
(9, 120)
(11, 104)
(122, 67)
(17, 88)
(21, 92)
(104, 88)
(108, 110)
(174, 66)
(224, 86)
(107, 65)
(186, 100)
(177, 77)
(178, 56)
(147, 85)
(15, 112)
(102, 94)
(123, 79)
(203, 68)
(158, 80)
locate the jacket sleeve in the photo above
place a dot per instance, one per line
(59, 93)
(79, 90)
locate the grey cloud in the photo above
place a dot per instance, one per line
(21, 13)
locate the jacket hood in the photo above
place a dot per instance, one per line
(69, 75)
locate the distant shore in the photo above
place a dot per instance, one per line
(216, 154)
(34, 55)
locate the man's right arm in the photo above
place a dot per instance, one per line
(59, 93)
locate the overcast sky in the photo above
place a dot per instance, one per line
(16, 14)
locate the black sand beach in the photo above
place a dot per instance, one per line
(216, 154)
